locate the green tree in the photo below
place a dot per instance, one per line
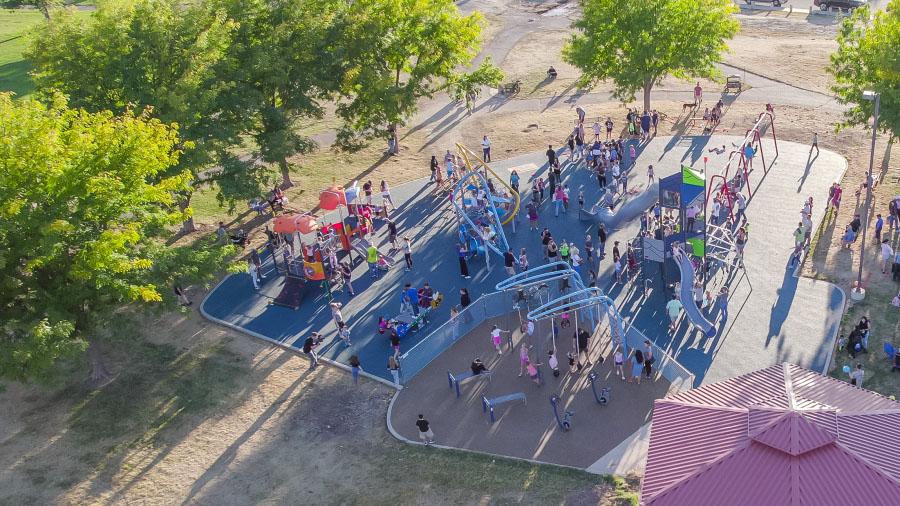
(397, 52)
(284, 69)
(135, 54)
(638, 44)
(82, 195)
(868, 58)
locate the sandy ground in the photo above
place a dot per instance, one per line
(792, 51)
(279, 435)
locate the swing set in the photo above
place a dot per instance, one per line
(742, 158)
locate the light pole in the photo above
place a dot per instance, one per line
(859, 293)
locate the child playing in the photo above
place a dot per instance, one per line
(496, 339)
(553, 363)
(564, 320)
(533, 373)
(580, 199)
(620, 364)
(573, 365)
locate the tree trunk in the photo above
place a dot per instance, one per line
(99, 374)
(188, 225)
(648, 85)
(285, 173)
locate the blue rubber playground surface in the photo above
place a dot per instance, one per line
(774, 316)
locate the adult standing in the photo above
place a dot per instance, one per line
(336, 314)
(609, 128)
(645, 125)
(367, 190)
(425, 432)
(394, 368)
(407, 252)
(182, 296)
(413, 294)
(514, 180)
(739, 243)
(582, 339)
(464, 298)
(346, 276)
(532, 213)
(552, 160)
(392, 233)
(435, 169)
(698, 94)
(589, 251)
(463, 264)
(355, 368)
(637, 366)
(887, 255)
(523, 260)
(673, 310)
(386, 195)
(741, 202)
(648, 359)
(344, 333)
(601, 238)
(254, 273)
(815, 143)
(309, 345)
(509, 262)
(486, 149)
(722, 302)
(372, 260)
(254, 256)
(856, 376)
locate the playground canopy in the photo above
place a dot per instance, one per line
(288, 224)
(332, 197)
(780, 435)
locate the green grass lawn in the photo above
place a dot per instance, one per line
(14, 26)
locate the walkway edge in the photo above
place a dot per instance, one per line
(402, 439)
(283, 346)
(799, 276)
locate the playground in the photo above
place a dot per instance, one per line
(798, 316)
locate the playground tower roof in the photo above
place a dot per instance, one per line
(780, 435)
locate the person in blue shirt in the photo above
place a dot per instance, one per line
(413, 294)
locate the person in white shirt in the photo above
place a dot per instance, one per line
(715, 211)
(486, 149)
(596, 131)
(887, 255)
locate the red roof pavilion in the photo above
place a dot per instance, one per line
(780, 435)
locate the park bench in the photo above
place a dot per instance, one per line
(454, 380)
(490, 404)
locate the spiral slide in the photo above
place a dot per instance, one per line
(687, 297)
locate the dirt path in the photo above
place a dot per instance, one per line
(204, 416)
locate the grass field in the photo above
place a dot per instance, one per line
(14, 27)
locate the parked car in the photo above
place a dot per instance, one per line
(846, 5)
(775, 3)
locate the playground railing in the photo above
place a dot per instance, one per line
(418, 357)
(665, 364)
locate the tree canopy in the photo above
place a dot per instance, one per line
(868, 58)
(638, 44)
(83, 196)
(136, 54)
(284, 67)
(399, 51)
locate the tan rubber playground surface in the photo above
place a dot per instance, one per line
(526, 430)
